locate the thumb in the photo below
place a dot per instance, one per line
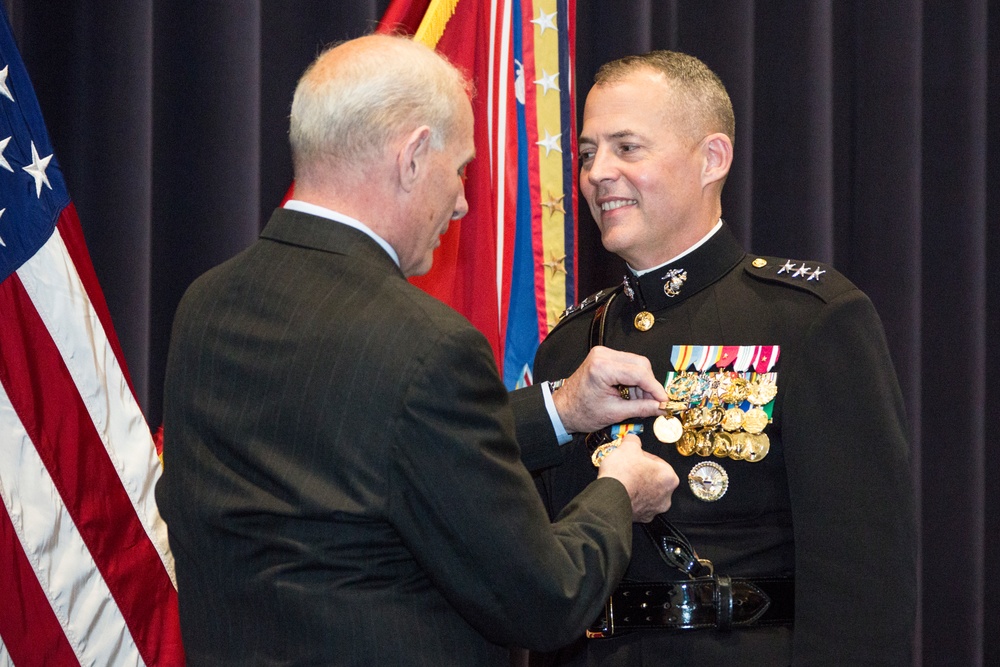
(643, 407)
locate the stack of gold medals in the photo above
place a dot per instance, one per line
(720, 414)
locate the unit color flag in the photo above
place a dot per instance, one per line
(509, 265)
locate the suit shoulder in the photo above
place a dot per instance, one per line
(820, 280)
(419, 314)
(587, 305)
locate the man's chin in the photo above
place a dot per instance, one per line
(420, 270)
(614, 241)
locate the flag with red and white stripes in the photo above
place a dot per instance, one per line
(510, 264)
(86, 575)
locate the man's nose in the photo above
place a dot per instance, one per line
(461, 206)
(602, 167)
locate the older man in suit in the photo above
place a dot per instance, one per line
(341, 478)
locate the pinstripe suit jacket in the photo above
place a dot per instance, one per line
(341, 480)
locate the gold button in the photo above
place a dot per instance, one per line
(760, 262)
(644, 321)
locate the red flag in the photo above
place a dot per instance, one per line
(86, 576)
(403, 16)
(509, 264)
(472, 254)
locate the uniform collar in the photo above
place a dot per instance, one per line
(686, 275)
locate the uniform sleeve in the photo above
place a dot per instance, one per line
(850, 483)
(536, 436)
(468, 510)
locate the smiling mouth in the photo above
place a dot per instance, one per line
(618, 203)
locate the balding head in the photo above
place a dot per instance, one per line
(382, 131)
(358, 96)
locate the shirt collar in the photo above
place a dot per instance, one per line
(690, 250)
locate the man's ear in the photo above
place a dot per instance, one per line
(412, 157)
(717, 150)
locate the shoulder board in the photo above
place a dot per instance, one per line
(587, 304)
(820, 279)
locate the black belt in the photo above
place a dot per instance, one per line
(706, 602)
(703, 600)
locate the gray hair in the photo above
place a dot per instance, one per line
(351, 102)
(700, 88)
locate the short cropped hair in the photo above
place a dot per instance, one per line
(347, 109)
(704, 95)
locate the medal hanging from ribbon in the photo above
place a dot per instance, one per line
(618, 431)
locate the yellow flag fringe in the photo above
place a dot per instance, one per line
(435, 20)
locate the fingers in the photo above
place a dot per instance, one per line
(634, 371)
(624, 410)
(609, 386)
(583, 412)
(632, 442)
(649, 480)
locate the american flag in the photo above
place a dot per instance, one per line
(86, 575)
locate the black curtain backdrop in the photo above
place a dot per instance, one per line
(867, 134)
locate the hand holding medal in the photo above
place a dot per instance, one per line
(609, 387)
(649, 480)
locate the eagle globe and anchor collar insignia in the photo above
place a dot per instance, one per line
(673, 281)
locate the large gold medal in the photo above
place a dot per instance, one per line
(712, 417)
(733, 419)
(667, 429)
(703, 445)
(692, 418)
(722, 445)
(735, 390)
(741, 443)
(686, 443)
(762, 391)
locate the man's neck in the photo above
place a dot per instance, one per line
(343, 218)
(691, 248)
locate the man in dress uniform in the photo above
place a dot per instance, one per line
(786, 423)
(341, 480)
